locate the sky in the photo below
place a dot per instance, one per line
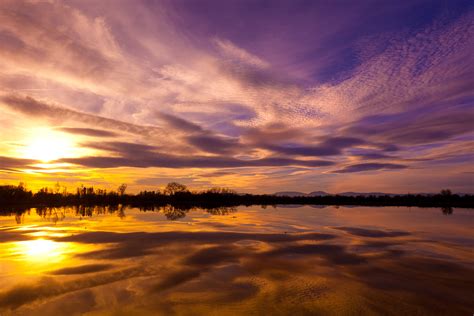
(257, 96)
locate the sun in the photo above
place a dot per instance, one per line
(48, 145)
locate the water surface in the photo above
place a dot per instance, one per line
(248, 260)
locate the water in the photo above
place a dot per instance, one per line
(248, 260)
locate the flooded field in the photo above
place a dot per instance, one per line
(248, 260)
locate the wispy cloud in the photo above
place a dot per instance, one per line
(38, 109)
(88, 131)
(239, 54)
(232, 87)
(370, 167)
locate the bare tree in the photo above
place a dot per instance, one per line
(446, 192)
(174, 187)
(121, 189)
(57, 188)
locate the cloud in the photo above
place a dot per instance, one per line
(13, 164)
(372, 155)
(177, 123)
(275, 132)
(37, 109)
(217, 174)
(329, 147)
(200, 138)
(239, 54)
(214, 144)
(87, 132)
(124, 149)
(173, 161)
(144, 156)
(416, 126)
(370, 167)
(243, 87)
(305, 150)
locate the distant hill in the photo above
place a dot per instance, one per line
(366, 194)
(318, 193)
(296, 193)
(323, 193)
(350, 193)
(290, 193)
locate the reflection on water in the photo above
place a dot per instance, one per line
(447, 210)
(55, 214)
(39, 250)
(246, 260)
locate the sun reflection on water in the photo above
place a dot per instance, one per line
(41, 250)
(283, 261)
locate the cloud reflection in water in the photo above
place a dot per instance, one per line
(280, 261)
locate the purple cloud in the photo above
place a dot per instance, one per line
(370, 167)
(88, 132)
(373, 86)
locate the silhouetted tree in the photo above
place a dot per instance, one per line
(57, 188)
(121, 189)
(17, 199)
(173, 188)
(217, 190)
(446, 192)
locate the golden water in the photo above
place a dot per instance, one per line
(249, 260)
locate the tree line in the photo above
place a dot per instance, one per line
(179, 196)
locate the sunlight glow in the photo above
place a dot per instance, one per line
(40, 250)
(47, 145)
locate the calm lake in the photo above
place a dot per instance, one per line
(247, 260)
